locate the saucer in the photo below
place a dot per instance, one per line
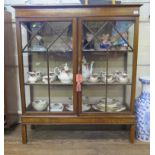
(56, 107)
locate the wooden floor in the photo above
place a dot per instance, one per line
(63, 141)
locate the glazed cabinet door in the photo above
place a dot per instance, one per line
(48, 56)
(106, 47)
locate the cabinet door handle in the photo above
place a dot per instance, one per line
(78, 82)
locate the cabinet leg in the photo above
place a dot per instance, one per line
(132, 133)
(24, 133)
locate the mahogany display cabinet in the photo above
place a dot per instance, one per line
(77, 64)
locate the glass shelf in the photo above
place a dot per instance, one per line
(53, 83)
(101, 83)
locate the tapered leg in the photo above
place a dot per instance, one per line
(132, 133)
(24, 133)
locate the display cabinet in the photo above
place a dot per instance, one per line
(77, 64)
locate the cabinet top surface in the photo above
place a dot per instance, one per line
(72, 6)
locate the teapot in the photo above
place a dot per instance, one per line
(87, 69)
(39, 105)
(34, 76)
(64, 74)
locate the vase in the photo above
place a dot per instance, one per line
(142, 107)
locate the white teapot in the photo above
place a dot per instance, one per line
(87, 69)
(64, 74)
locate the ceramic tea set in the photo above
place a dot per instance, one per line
(117, 76)
(63, 74)
(88, 75)
(41, 105)
(113, 105)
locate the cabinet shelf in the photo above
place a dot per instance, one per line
(91, 110)
(29, 51)
(57, 83)
(101, 83)
(45, 51)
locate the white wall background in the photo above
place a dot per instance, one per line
(143, 66)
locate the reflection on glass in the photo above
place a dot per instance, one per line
(119, 98)
(93, 99)
(43, 36)
(37, 99)
(108, 35)
(47, 55)
(107, 53)
(61, 99)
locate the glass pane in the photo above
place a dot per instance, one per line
(108, 35)
(61, 67)
(47, 56)
(118, 98)
(32, 37)
(37, 99)
(93, 98)
(61, 99)
(107, 55)
(93, 89)
(35, 68)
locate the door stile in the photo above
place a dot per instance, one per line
(20, 64)
(134, 66)
(80, 63)
(75, 63)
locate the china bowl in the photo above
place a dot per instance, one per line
(123, 78)
(110, 78)
(39, 105)
(94, 78)
(56, 107)
(45, 79)
(52, 76)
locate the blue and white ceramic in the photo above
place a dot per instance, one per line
(142, 107)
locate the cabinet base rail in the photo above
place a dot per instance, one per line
(107, 120)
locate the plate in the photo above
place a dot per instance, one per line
(99, 109)
(86, 107)
(56, 107)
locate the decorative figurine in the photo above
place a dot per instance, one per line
(89, 42)
(105, 43)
